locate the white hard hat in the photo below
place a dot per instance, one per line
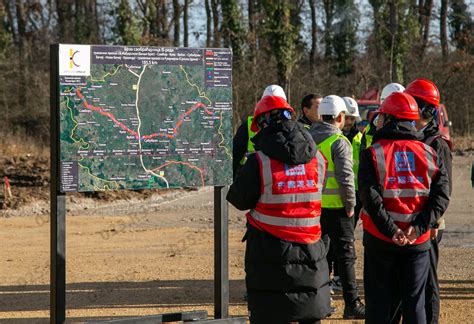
(389, 89)
(274, 90)
(352, 107)
(332, 106)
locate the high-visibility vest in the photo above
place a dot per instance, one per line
(356, 143)
(367, 138)
(405, 170)
(289, 206)
(250, 145)
(331, 195)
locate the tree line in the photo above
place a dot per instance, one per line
(341, 47)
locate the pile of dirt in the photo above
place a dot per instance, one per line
(29, 177)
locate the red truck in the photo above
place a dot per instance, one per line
(369, 103)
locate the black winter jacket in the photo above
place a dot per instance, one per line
(239, 146)
(371, 197)
(285, 281)
(288, 142)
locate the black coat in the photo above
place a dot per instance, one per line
(285, 281)
(371, 197)
(239, 146)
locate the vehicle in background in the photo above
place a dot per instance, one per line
(369, 103)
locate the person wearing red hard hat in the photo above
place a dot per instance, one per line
(427, 96)
(242, 144)
(404, 190)
(280, 184)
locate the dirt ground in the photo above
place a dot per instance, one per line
(136, 256)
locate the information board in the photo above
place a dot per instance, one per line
(144, 117)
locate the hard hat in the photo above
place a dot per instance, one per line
(425, 90)
(352, 107)
(266, 104)
(332, 106)
(389, 89)
(401, 106)
(274, 90)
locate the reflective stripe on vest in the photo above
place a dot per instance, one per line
(405, 170)
(331, 194)
(356, 143)
(290, 201)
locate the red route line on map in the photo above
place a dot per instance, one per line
(112, 117)
(192, 166)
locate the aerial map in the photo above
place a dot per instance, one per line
(144, 117)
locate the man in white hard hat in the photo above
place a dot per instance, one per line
(242, 141)
(338, 203)
(370, 130)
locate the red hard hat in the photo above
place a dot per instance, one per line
(425, 90)
(400, 105)
(267, 104)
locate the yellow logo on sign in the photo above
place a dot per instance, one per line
(72, 53)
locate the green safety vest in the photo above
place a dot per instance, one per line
(250, 145)
(331, 195)
(368, 137)
(356, 143)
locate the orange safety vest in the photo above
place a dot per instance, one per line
(405, 170)
(289, 206)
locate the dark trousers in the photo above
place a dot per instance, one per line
(432, 298)
(338, 231)
(332, 261)
(357, 209)
(389, 272)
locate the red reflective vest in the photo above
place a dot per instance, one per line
(405, 170)
(289, 206)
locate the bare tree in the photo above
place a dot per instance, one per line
(208, 23)
(425, 8)
(215, 19)
(65, 20)
(176, 16)
(186, 23)
(314, 30)
(443, 29)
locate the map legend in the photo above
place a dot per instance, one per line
(218, 68)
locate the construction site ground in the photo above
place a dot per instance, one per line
(150, 252)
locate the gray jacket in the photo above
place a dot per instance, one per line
(341, 152)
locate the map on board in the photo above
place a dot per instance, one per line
(144, 117)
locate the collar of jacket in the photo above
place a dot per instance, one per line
(305, 121)
(402, 130)
(288, 142)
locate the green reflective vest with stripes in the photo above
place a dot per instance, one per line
(250, 145)
(356, 143)
(331, 195)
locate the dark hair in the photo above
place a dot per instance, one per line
(307, 100)
(327, 118)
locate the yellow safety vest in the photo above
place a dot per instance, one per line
(356, 143)
(331, 195)
(250, 145)
(368, 137)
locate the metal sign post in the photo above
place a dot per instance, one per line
(221, 253)
(58, 205)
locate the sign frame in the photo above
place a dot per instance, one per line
(58, 219)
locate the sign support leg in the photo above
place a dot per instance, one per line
(58, 206)
(221, 253)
